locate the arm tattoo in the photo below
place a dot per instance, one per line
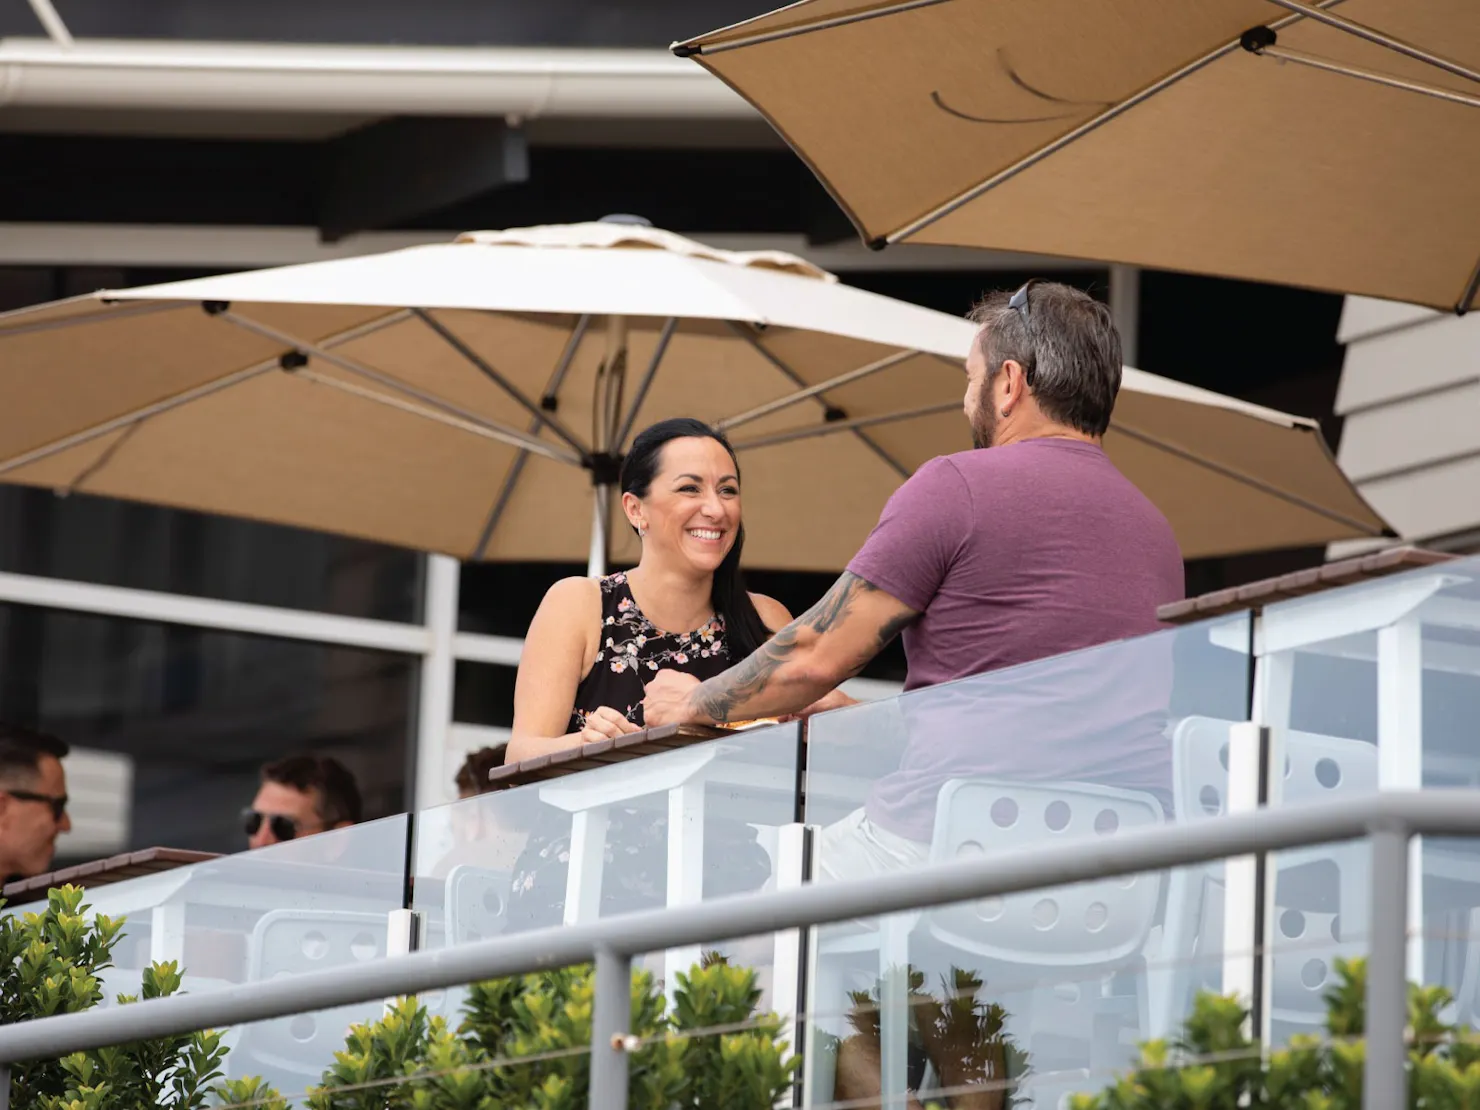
(719, 697)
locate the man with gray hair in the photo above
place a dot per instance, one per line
(1035, 545)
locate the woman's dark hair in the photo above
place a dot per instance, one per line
(728, 594)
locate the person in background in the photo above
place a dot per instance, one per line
(33, 801)
(472, 776)
(300, 796)
(481, 834)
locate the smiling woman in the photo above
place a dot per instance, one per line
(594, 645)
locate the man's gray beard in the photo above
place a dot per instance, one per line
(984, 427)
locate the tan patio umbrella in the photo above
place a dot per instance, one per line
(1334, 145)
(465, 397)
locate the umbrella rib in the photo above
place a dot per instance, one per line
(548, 400)
(1467, 298)
(1379, 38)
(1094, 123)
(142, 309)
(646, 382)
(495, 432)
(1299, 57)
(102, 460)
(685, 49)
(852, 425)
(157, 408)
(501, 503)
(465, 418)
(1246, 479)
(453, 340)
(813, 390)
(796, 379)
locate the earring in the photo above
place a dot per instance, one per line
(642, 531)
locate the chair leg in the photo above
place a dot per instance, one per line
(1168, 978)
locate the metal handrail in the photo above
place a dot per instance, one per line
(1389, 819)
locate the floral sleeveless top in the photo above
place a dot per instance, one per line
(633, 649)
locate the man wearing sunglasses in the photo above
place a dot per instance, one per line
(33, 801)
(300, 796)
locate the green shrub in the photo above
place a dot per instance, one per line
(1215, 1066)
(49, 964)
(523, 1044)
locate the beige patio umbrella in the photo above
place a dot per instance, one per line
(466, 397)
(1332, 145)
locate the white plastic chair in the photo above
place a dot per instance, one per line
(475, 903)
(1316, 767)
(1090, 927)
(292, 1052)
(475, 906)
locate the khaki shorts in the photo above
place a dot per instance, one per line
(856, 848)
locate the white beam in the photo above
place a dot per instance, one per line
(519, 82)
(501, 650)
(200, 612)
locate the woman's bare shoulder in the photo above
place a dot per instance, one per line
(573, 597)
(772, 613)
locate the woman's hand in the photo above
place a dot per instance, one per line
(605, 723)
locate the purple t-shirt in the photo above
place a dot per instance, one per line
(1012, 554)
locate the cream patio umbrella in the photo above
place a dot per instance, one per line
(1332, 145)
(466, 397)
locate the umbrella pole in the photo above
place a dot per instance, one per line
(596, 562)
(607, 415)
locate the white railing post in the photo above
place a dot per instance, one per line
(1248, 884)
(1400, 751)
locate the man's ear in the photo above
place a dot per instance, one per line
(1014, 379)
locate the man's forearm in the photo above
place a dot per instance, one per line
(802, 662)
(779, 678)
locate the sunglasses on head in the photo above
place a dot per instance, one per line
(58, 802)
(283, 828)
(1018, 303)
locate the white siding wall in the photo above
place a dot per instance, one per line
(101, 788)
(1410, 396)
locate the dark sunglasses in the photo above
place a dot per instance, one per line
(283, 828)
(58, 803)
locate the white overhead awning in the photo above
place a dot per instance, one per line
(520, 83)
